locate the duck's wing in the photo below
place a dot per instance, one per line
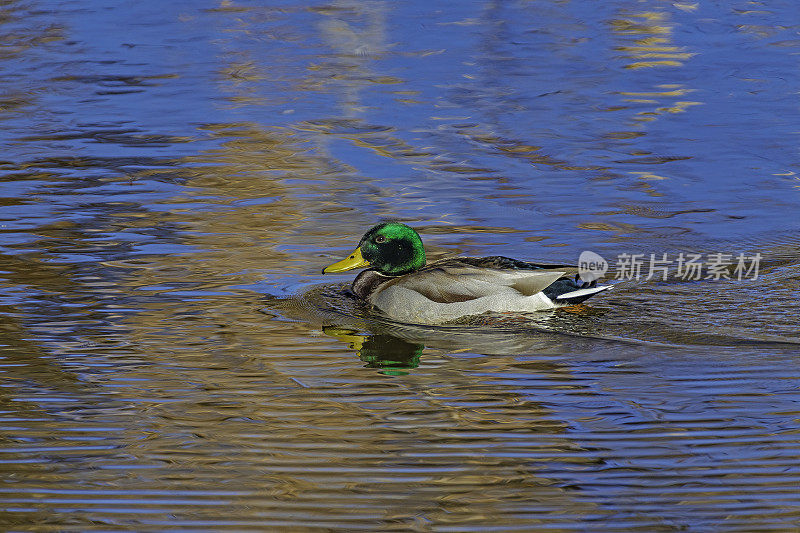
(500, 262)
(456, 280)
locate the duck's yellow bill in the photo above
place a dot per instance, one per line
(354, 260)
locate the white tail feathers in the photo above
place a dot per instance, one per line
(582, 292)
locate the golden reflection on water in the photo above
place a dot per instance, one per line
(651, 40)
(648, 42)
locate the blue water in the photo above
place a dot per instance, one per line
(175, 175)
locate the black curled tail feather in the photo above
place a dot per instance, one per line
(567, 285)
(561, 286)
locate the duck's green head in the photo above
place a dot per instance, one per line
(390, 248)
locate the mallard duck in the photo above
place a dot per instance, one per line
(399, 283)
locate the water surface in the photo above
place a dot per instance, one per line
(175, 175)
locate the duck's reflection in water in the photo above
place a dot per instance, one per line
(394, 346)
(391, 354)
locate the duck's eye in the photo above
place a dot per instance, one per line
(380, 239)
